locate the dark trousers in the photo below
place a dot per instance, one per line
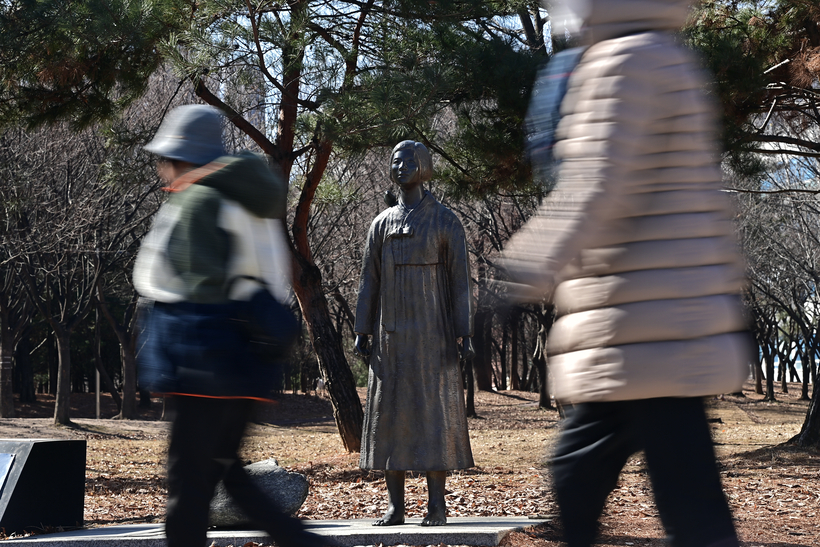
(205, 438)
(598, 438)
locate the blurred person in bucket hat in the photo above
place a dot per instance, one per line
(218, 236)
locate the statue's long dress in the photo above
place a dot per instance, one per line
(415, 298)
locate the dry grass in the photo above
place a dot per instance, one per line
(772, 489)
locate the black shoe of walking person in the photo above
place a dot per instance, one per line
(304, 538)
(291, 532)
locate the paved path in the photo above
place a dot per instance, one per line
(345, 533)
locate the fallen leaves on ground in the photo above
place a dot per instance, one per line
(773, 489)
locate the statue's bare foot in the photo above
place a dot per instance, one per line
(390, 518)
(435, 517)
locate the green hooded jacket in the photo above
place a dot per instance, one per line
(187, 254)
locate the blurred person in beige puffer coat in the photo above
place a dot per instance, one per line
(635, 247)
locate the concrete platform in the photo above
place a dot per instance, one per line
(345, 533)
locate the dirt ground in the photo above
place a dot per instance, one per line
(774, 489)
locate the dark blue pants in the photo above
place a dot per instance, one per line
(205, 438)
(598, 438)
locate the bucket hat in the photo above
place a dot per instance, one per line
(191, 133)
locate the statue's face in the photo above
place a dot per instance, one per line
(405, 170)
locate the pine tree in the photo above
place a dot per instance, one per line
(765, 58)
(79, 60)
(303, 80)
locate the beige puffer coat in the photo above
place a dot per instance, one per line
(637, 235)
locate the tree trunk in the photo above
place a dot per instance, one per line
(758, 370)
(515, 379)
(24, 372)
(128, 410)
(307, 282)
(803, 351)
(544, 400)
(106, 379)
(528, 367)
(502, 356)
(793, 377)
(308, 374)
(53, 364)
(6, 370)
(339, 382)
(809, 436)
(128, 359)
(62, 404)
(769, 378)
(539, 360)
(782, 370)
(804, 388)
(482, 362)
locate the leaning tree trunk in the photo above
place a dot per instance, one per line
(326, 340)
(307, 282)
(62, 404)
(339, 382)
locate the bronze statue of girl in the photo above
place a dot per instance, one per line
(415, 298)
